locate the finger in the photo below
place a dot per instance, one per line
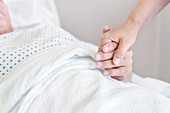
(128, 54)
(105, 60)
(106, 64)
(118, 71)
(108, 51)
(104, 56)
(120, 78)
(106, 29)
(103, 41)
(107, 39)
(123, 78)
(109, 47)
(120, 52)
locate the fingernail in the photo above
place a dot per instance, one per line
(106, 49)
(98, 57)
(117, 61)
(99, 64)
(106, 72)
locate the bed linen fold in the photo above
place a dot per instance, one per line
(65, 79)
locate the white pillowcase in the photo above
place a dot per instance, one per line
(26, 12)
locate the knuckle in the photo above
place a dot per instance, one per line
(102, 37)
(118, 53)
(106, 64)
(104, 55)
(122, 70)
(103, 64)
(130, 69)
(114, 38)
(109, 64)
(99, 54)
(131, 53)
(131, 62)
(112, 72)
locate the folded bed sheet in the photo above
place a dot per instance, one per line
(64, 78)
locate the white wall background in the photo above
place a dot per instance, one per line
(86, 18)
(165, 45)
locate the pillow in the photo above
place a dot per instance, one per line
(26, 12)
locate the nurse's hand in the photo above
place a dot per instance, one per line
(5, 22)
(124, 36)
(122, 71)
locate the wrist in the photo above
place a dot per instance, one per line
(135, 25)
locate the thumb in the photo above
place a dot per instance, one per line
(120, 52)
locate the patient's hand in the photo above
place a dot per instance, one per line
(123, 71)
(5, 23)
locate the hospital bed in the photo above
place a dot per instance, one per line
(26, 12)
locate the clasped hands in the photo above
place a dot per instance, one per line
(117, 68)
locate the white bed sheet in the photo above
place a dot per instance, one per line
(153, 84)
(70, 82)
(73, 86)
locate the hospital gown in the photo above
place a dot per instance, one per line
(17, 46)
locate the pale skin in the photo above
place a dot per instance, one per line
(123, 71)
(5, 22)
(126, 34)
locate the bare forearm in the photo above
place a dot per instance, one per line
(145, 10)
